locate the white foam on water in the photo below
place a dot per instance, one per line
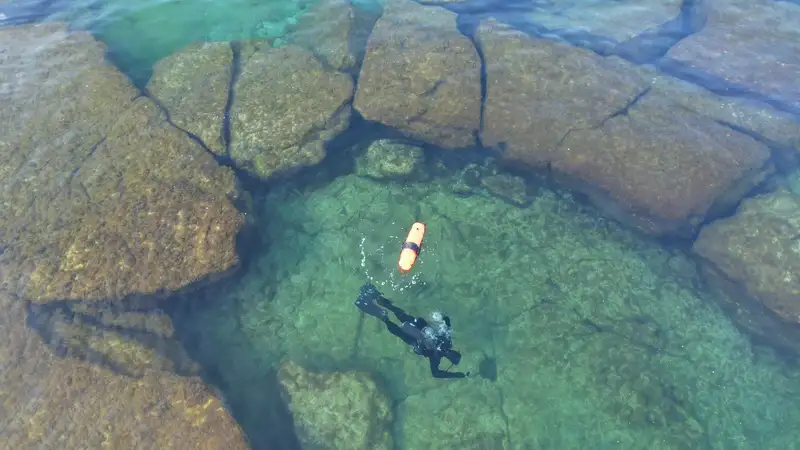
(387, 276)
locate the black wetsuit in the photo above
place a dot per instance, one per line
(411, 331)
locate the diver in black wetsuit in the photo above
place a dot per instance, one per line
(429, 339)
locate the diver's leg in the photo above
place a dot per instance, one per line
(398, 331)
(401, 315)
(437, 373)
(366, 302)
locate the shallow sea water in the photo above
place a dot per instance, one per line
(578, 331)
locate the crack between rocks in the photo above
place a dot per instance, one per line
(236, 70)
(620, 112)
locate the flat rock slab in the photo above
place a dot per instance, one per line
(102, 198)
(750, 44)
(192, 85)
(421, 76)
(612, 20)
(599, 124)
(287, 106)
(759, 249)
(330, 30)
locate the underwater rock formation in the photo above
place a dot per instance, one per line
(421, 76)
(461, 416)
(103, 198)
(643, 158)
(780, 129)
(507, 187)
(752, 44)
(61, 402)
(127, 342)
(192, 85)
(329, 29)
(336, 410)
(613, 21)
(287, 106)
(754, 257)
(386, 159)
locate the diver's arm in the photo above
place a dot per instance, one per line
(434, 362)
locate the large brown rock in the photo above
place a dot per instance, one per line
(663, 169)
(193, 86)
(599, 124)
(287, 106)
(754, 117)
(102, 197)
(754, 44)
(51, 402)
(421, 76)
(540, 90)
(759, 250)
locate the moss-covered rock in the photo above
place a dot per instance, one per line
(387, 159)
(287, 106)
(330, 30)
(79, 405)
(751, 44)
(336, 410)
(754, 256)
(193, 85)
(421, 76)
(103, 197)
(643, 157)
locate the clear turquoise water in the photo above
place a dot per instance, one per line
(602, 338)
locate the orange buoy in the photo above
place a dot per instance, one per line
(411, 248)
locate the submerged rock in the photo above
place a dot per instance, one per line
(129, 343)
(507, 187)
(387, 159)
(755, 257)
(421, 76)
(336, 410)
(329, 29)
(597, 123)
(465, 416)
(287, 106)
(193, 85)
(614, 21)
(149, 229)
(753, 117)
(55, 402)
(752, 44)
(102, 197)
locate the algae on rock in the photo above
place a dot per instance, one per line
(336, 410)
(287, 106)
(387, 159)
(103, 197)
(193, 85)
(421, 76)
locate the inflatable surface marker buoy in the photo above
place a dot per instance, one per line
(411, 248)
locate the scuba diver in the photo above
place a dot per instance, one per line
(429, 339)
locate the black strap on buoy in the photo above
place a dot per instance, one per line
(412, 246)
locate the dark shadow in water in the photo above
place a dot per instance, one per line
(66, 332)
(267, 422)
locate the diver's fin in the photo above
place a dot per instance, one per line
(366, 302)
